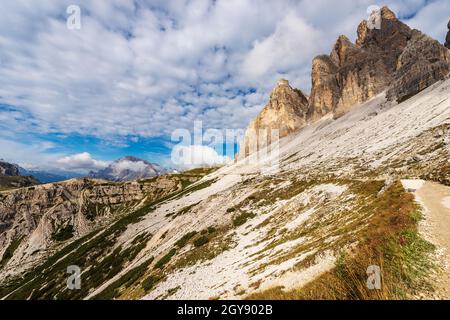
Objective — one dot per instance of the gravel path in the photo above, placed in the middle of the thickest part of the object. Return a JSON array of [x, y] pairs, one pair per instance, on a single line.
[[434, 198]]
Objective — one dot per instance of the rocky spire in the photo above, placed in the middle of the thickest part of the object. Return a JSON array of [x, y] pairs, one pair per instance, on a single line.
[[354, 73], [447, 40], [286, 112], [388, 57]]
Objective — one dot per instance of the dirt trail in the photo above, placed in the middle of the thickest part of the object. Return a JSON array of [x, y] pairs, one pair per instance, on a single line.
[[435, 199]]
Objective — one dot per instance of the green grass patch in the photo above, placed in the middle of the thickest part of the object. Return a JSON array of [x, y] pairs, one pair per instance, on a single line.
[[9, 252], [63, 233], [200, 241], [242, 218], [185, 239], [165, 259]]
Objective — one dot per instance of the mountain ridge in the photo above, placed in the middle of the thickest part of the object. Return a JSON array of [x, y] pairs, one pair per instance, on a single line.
[[392, 58], [129, 168]]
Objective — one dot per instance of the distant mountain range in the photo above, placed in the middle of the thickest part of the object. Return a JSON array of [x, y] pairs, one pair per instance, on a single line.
[[47, 176], [124, 169], [128, 169]]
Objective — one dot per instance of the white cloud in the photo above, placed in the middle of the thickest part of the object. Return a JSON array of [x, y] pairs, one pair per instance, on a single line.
[[82, 161], [135, 166], [197, 156]]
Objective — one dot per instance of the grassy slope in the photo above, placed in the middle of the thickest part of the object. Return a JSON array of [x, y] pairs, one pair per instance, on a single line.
[[391, 241]]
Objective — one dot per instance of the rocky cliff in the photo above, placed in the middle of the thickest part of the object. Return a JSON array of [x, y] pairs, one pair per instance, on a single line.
[[354, 73], [393, 58], [40, 217], [285, 112]]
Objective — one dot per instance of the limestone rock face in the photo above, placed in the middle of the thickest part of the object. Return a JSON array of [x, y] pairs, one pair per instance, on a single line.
[[388, 56], [285, 112], [325, 88], [447, 39], [423, 62]]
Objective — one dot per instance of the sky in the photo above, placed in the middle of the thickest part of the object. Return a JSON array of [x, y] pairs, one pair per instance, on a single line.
[[137, 71]]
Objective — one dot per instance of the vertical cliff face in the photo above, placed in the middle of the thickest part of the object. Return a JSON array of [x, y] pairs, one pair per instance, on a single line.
[[286, 112], [389, 57], [423, 62]]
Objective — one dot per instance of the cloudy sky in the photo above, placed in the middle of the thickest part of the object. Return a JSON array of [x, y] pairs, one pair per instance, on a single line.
[[138, 70]]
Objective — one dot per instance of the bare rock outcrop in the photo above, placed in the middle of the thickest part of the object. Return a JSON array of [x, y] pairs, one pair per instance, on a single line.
[[286, 112], [447, 39], [423, 62], [386, 57], [354, 73]]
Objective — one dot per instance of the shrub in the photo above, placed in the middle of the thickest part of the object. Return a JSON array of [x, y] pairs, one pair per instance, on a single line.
[[242, 218], [184, 239], [164, 260], [201, 241], [64, 233], [211, 229], [150, 282]]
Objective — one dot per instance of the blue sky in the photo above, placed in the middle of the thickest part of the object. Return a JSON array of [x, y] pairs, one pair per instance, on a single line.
[[138, 70]]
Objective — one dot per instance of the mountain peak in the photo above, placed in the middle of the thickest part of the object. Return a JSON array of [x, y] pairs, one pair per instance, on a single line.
[[286, 112], [131, 159], [8, 169], [283, 82], [388, 56], [129, 168], [340, 49]]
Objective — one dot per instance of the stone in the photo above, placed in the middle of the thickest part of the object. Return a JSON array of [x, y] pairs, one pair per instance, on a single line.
[[286, 112], [423, 62]]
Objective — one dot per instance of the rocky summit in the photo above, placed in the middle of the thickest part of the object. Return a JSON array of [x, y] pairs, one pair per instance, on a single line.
[[11, 178], [362, 181], [8, 169], [392, 58], [127, 169], [286, 112], [447, 39]]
